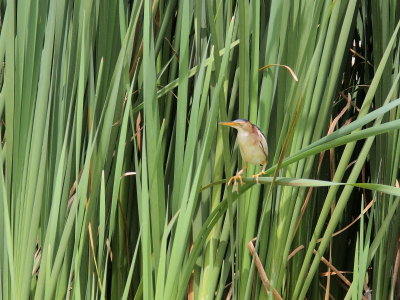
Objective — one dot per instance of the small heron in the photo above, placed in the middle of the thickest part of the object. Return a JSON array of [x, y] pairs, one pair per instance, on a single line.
[[253, 147]]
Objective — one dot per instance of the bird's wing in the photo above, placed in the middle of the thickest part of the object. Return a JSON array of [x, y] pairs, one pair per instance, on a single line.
[[263, 143]]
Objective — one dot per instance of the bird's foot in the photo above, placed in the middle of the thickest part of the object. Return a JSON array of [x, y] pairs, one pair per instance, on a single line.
[[258, 175], [235, 179]]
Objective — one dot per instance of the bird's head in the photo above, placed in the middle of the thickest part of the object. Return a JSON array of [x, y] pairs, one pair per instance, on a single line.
[[239, 124]]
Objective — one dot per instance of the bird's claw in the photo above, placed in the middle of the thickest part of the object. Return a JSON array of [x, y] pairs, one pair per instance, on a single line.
[[258, 175], [234, 179], [235, 184]]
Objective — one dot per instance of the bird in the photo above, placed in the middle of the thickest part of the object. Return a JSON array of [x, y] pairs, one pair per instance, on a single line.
[[253, 147]]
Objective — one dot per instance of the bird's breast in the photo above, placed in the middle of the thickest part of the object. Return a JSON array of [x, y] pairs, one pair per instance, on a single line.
[[250, 148]]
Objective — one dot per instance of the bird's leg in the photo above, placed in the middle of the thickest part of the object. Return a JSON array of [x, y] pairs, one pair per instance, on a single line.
[[261, 173], [238, 176]]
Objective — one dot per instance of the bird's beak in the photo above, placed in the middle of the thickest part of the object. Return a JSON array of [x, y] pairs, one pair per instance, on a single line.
[[232, 124]]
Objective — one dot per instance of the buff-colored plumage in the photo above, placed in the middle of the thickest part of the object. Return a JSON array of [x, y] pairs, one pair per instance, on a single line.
[[253, 146]]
